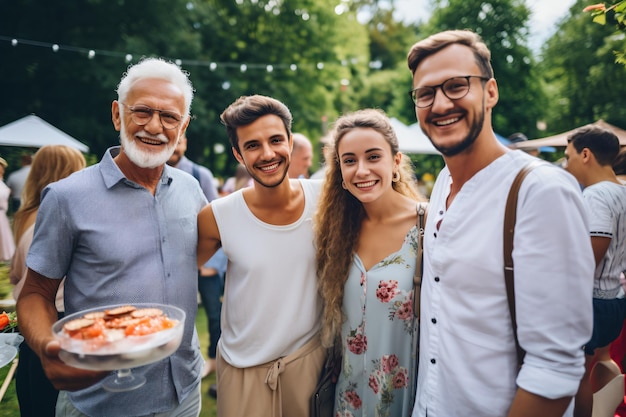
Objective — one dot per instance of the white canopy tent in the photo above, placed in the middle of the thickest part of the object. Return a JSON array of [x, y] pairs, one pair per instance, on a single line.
[[411, 139], [34, 132], [560, 140]]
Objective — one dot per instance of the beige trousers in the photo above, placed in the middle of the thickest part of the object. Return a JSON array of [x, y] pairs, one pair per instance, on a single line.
[[282, 388]]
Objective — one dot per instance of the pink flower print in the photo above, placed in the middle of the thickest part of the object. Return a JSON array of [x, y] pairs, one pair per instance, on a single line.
[[389, 363], [386, 290], [400, 379], [405, 311], [357, 344], [373, 383], [353, 399]]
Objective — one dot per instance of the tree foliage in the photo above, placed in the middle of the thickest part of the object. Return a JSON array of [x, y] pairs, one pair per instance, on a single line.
[[617, 14], [578, 67], [74, 92]]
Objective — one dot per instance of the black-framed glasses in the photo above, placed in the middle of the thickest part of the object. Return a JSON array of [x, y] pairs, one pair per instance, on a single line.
[[454, 88], [141, 115]]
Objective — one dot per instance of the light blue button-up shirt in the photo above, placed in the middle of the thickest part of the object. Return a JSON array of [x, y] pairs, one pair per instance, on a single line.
[[117, 243]]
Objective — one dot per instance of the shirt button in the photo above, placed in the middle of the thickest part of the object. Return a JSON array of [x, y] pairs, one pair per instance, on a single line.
[[433, 361], [440, 211], [435, 234], [433, 320], [436, 279]]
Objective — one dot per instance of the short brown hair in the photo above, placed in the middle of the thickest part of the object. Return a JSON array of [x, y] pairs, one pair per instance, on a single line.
[[247, 109], [434, 43]]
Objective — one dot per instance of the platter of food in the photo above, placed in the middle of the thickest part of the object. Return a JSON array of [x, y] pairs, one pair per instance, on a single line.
[[119, 336]]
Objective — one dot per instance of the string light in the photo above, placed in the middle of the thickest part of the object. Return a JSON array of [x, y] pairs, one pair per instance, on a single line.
[[212, 65]]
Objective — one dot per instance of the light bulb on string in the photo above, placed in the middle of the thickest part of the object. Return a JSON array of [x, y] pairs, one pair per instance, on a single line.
[[91, 53]]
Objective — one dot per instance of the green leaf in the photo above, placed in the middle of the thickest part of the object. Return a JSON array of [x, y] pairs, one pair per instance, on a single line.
[[600, 19], [620, 7]]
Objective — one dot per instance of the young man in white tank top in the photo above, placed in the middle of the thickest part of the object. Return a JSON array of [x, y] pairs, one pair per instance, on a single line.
[[269, 355]]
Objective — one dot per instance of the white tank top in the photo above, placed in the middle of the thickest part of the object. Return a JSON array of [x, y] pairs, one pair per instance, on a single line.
[[271, 305]]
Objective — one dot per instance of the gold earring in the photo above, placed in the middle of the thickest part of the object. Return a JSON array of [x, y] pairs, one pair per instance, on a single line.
[[396, 177]]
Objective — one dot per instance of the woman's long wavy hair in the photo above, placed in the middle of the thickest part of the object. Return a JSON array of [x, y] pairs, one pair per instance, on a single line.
[[339, 216], [50, 163]]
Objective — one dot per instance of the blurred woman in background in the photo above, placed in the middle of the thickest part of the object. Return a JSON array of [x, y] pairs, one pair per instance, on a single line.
[[36, 395]]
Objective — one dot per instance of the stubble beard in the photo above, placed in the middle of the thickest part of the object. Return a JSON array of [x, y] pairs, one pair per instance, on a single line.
[[266, 184], [467, 142]]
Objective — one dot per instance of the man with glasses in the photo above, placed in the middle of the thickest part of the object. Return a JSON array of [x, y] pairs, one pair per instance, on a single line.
[[468, 356], [123, 231]]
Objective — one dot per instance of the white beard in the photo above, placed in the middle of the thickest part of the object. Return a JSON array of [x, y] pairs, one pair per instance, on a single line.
[[142, 158]]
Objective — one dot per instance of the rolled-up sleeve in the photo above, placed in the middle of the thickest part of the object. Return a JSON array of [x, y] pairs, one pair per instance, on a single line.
[[554, 269]]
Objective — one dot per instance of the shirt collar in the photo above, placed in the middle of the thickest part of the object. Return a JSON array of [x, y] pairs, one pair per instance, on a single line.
[[112, 174]]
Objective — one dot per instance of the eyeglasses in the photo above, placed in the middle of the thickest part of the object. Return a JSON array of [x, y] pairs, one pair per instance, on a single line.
[[454, 88], [141, 115]]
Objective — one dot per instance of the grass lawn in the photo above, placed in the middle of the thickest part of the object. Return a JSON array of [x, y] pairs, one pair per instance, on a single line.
[[9, 405]]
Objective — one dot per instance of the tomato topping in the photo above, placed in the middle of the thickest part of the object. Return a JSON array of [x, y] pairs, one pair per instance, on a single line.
[[149, 325]]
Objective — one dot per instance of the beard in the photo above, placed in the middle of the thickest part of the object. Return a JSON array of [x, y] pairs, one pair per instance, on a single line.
[[272, 184], [475, 129], [142, 158]]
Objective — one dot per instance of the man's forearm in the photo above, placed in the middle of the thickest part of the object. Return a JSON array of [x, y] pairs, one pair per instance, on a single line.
[[526, 404]]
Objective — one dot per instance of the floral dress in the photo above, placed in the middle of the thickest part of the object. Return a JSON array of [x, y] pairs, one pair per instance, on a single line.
[[379, 334]]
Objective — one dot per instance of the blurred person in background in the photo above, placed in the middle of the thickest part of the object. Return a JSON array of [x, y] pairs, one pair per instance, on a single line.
[[35, 394], [202, 174], [590, 153], [240, 180], [7, 244], [16, 181], [619, 165], [301, 157], [211, 275]]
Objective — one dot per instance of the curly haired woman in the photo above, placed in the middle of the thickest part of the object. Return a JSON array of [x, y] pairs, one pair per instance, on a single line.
[[367, 239]]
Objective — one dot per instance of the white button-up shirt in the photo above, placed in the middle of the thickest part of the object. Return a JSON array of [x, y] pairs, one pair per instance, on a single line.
[[468, 362]]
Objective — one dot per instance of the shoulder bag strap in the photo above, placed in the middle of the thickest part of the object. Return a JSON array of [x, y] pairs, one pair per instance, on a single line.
[[510, 215], [419, 268]]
